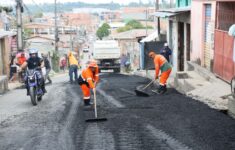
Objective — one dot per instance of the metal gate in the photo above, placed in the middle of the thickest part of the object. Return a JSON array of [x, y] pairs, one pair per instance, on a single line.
[[223, 56]]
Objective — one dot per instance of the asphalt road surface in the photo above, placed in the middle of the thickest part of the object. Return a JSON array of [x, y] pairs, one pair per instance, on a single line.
[[160, 122]]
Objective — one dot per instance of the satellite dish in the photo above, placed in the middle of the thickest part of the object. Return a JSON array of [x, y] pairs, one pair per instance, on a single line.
[[231, 30]]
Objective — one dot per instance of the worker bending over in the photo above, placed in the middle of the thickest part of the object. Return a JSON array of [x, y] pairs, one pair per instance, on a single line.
[[88, 80], [162, 64]]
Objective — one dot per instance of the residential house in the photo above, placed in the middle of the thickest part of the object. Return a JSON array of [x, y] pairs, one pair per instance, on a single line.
[[5, 51], [45, 44], [110, 16], [114, 26], [178, 33], [129, 44], [141, 14], [5, 21], [212, 47], [86, 21]]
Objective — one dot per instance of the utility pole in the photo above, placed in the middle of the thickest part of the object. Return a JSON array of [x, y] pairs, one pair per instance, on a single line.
[[158, 19], [56, 29], [146, 18], [19, 10]]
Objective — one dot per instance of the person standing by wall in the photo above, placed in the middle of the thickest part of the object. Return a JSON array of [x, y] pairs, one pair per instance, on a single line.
[[47, 66], [13, 68], [166, 52], [73, 67]]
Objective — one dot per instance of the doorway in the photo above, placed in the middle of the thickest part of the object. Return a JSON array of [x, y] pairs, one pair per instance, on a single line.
[[180, 46], [188, 39]]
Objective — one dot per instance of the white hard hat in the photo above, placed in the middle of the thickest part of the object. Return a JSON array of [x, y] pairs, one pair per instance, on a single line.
[[33, 51], [165, 44]]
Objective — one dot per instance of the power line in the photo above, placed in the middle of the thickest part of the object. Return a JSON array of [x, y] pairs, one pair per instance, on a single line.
[[38, 6], [28, 12]]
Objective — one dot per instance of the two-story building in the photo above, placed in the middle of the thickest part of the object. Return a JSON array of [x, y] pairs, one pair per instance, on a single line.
[[212, 47], [178, 32]]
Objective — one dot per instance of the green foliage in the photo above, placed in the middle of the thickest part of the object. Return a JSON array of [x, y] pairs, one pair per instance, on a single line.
[[123, 29], [6, 9], [132, 24], [27, 33], [55, 61], [149, 27], [38, 15], [103, 31]]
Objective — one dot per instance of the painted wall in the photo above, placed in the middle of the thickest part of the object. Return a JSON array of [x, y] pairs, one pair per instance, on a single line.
[[173, 37], [4, 55], [183, 3], [131, 48], [197, 29]]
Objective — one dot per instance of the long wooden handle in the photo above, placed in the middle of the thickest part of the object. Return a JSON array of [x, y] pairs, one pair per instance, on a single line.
[[95, 103], [148, 84]]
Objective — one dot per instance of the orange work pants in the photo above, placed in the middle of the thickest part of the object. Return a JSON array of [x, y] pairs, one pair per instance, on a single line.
[[86, 92], [164, 76]]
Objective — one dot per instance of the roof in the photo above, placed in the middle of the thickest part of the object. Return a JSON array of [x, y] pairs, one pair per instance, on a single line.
[[132, 34], [117, 24], [171, 12], [136, 16], [7, 33], [150, 38], [50, 38], [38, 25]]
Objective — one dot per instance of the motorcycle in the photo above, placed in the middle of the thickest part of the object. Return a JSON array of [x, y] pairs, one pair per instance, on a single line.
[[35, 89]]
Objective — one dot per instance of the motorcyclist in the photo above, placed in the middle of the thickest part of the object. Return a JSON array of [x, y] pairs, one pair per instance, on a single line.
[[35, 62]]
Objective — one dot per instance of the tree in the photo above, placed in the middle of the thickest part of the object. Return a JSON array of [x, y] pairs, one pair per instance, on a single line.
[[135, 24], [38, 15], [103, 31], [132, 24], [6, 9]]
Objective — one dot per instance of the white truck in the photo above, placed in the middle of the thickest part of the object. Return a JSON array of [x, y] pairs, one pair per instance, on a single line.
[[107, 55]]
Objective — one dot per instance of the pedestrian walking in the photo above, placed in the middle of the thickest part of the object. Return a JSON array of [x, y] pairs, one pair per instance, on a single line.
[[161, 64], [13, 68], [88, 80], [48, 67], [73, 67], [166, 52]]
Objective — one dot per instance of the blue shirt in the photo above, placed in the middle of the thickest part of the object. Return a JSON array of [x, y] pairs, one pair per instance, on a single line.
[[166, 52]]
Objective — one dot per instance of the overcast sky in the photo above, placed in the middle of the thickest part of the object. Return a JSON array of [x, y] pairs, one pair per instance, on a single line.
[[10, 2]]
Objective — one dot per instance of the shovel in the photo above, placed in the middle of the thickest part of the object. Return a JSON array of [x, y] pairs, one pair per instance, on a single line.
[[96, 119], [140, 92]]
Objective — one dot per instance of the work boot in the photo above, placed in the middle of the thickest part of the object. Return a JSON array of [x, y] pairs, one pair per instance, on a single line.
[[162, 89], [27, 92], [87, 102], [44, 90]]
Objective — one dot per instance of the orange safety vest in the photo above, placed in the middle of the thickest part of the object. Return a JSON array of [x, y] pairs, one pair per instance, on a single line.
[[21, 60], [90, 77], [159, 61]]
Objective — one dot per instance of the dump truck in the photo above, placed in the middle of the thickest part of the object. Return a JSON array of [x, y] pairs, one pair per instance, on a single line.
[[107, 55]]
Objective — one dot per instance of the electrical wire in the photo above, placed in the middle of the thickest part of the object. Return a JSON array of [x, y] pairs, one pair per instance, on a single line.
[[38, 6]]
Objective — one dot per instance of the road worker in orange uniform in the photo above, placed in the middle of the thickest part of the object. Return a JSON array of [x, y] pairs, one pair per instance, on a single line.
[[88, 80], [162, 64]]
